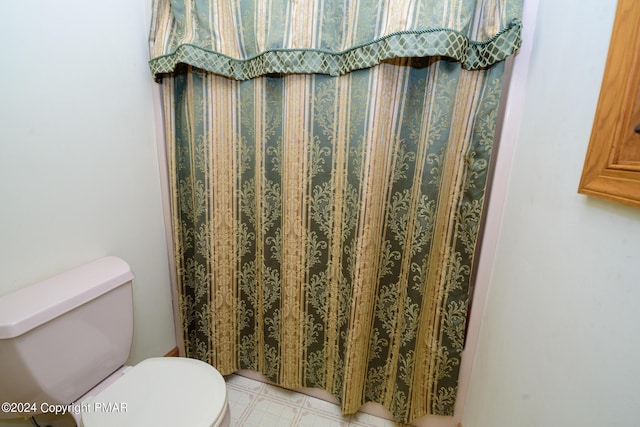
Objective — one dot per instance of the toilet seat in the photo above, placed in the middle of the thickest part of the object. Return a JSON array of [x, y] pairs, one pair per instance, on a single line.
[[162, 391]]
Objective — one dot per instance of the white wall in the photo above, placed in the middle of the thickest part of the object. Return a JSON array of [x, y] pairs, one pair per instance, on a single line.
[[78, 163], [559, 343]]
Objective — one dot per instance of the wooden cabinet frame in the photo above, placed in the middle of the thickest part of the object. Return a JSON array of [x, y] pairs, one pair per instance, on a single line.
[[612, 165]]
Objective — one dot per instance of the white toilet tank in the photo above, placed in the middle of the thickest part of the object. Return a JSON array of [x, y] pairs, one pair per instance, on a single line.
[[62, 336]]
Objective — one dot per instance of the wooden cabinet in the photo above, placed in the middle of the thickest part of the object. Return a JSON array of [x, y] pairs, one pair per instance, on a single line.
[[612, 166]]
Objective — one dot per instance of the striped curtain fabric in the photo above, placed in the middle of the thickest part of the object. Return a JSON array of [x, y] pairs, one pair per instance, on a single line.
[[328, 162]]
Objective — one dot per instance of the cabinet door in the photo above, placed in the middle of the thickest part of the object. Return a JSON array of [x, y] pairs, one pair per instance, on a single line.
[[612, 166]]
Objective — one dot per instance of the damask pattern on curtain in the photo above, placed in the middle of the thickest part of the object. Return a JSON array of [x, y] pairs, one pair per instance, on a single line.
[[328, 162]]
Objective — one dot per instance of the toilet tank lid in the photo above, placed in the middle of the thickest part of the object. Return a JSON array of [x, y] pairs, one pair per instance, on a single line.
[[30, 307]]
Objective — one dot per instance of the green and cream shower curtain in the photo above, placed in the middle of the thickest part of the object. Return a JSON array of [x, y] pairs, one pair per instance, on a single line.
[[328, 162]]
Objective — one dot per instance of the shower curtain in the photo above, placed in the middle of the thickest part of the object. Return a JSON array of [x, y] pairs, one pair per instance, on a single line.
[[328, 162]]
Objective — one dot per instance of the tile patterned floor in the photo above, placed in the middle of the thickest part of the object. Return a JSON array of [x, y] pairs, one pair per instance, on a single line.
[[256, 404]]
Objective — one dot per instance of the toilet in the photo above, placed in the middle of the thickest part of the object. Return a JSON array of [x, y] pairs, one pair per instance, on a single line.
[[63, 345]]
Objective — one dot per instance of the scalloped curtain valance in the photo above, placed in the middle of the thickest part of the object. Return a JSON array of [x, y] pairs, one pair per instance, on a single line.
[[244, 39]]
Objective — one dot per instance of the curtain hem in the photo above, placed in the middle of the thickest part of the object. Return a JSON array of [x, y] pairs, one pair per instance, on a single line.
[[431, 42]]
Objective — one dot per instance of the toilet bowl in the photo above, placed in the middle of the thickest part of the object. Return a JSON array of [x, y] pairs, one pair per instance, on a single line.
[[64, 343], [160, 392]]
